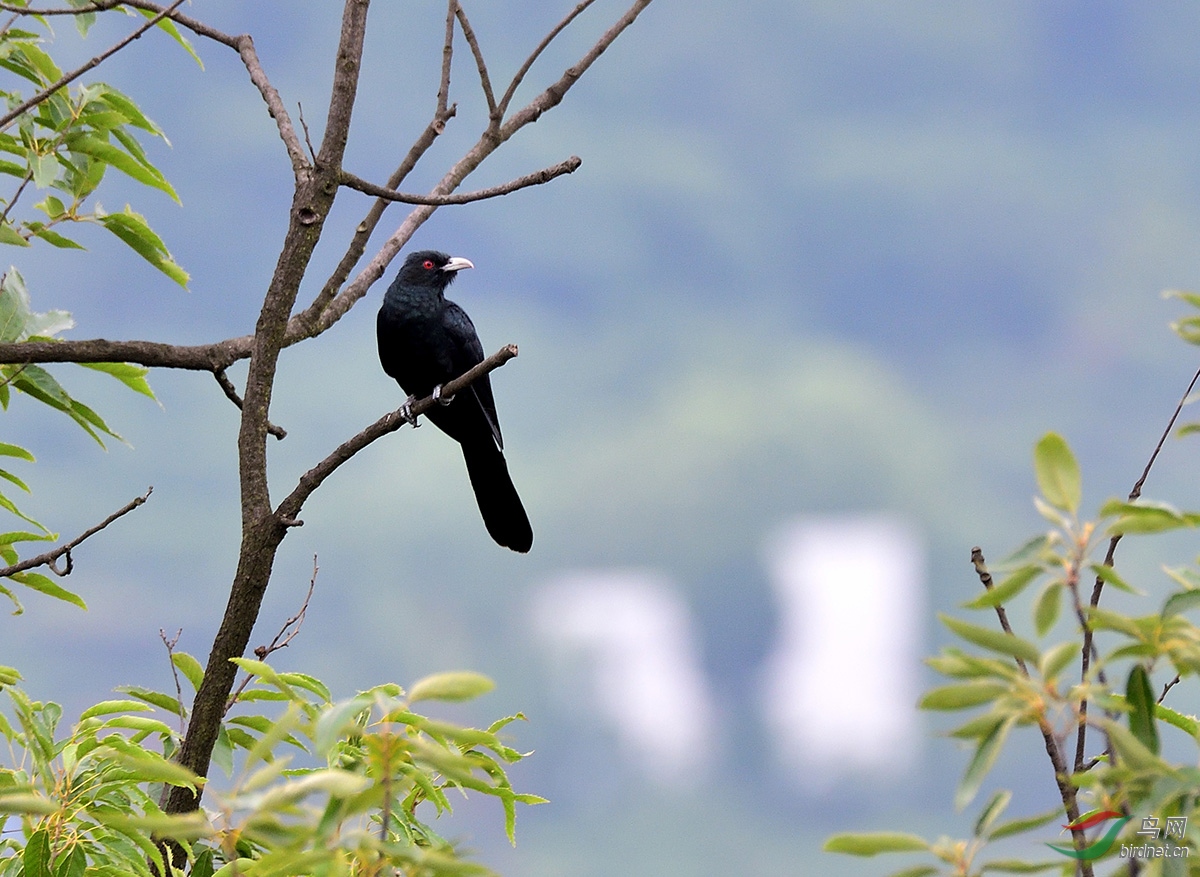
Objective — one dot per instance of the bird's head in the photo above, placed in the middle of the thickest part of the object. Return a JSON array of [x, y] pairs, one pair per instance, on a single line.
[[431, 268]]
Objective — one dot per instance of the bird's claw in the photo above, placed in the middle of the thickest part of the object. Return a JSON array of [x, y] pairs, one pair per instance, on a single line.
[[437, 396], [406, 412]]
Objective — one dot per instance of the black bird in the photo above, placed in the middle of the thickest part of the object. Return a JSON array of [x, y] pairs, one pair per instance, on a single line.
[[426, 341]]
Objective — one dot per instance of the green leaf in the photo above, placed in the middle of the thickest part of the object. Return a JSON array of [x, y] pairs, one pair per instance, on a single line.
[[963, 696], [132, 376], [1055, 660], [1130, 749], [45, 169], [56, 240], [1057, 472], [916, 871], [1110, 576], [42, 62], [9, 235], [1140, 698], [1046, 609], [189, 667], [1146, 517], [133, 230], [127, 108], [203, 866], [9, 450], [994, 640], [97, 147], [1013, 585], [456, 686], [38, 582], [168, 25], [1178, 604], [149, 767], [1190, 725], [1026, 823], [37, 855], [874, 843], [108, 707], [985, 756], [27, 803], [991, 812], [73, 864], [1017, 866], [155, 698]]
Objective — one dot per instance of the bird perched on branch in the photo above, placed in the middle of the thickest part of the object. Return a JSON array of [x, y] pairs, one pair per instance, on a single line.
[[426, 341]]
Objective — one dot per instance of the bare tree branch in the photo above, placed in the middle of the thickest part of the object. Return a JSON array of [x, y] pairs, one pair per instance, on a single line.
[[199, 28], [533, 56], [534, 179], [480, 64], [443, 95], [341, 303], [553, 95], [305, 324], [231, 392], [50, 557], [155, 354], [68, 78], [244, 46], [331, 304], [289, 509], [345, 83], [262, 530], [99, 6]]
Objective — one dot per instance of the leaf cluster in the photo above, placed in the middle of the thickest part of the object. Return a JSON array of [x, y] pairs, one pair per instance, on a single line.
[[343, 799], [65, 144], [1068, 688]]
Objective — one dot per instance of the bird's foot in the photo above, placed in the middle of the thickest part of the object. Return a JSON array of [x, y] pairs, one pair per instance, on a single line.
[[406, 411], [439, 398]]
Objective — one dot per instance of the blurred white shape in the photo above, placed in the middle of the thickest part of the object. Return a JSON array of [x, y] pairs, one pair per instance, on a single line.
[[634, 631], [841, 686]]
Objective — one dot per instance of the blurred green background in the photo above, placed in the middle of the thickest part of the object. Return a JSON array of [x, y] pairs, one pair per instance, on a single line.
[[827, 272]]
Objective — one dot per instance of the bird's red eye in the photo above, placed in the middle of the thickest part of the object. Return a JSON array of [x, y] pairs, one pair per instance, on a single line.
[[427, 264]]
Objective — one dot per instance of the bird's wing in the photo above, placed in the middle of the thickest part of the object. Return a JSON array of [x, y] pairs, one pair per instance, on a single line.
[[469, 353]]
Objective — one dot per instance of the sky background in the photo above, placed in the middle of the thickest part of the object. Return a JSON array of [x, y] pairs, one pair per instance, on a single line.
[[827, 273]]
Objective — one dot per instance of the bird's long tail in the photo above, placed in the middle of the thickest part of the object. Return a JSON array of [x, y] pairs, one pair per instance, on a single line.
[[503, 514]]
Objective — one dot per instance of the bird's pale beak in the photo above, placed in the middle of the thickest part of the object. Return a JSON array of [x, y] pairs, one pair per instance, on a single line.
[[457, 263]]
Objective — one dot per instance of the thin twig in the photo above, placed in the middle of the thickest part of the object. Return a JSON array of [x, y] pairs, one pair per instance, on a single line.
[[484, 80], [99, 6], [307, 139], [536, 178], [363, 231], [17, 194], [1167, 688], [170, 644], [231, 392], [443, 95], [1061, 772], [67, 78], [49, 557], [1098, 587], [511, 91], [244, 46], [286, 634]]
